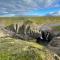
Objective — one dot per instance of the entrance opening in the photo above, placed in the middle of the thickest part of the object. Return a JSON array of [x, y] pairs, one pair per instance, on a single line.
[[45, 37]]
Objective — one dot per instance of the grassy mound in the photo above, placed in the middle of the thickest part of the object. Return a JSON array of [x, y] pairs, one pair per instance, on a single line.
[[14, 49]]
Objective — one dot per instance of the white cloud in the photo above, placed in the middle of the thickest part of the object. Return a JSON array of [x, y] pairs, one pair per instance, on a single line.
[[34, 4], [28, 4], [24, 6], [5, 12], [57, 13], [9, 15]]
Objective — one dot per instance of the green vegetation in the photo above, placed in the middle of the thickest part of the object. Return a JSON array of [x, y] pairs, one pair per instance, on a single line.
[[12, 49], [17, 49], [56, 28], [38, 20]]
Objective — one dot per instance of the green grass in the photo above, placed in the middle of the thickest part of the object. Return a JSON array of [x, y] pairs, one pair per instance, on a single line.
[[15, 49], [38, 20], [12, 49], [56, 28]]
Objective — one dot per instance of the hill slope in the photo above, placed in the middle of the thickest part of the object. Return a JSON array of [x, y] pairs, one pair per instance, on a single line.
[[12, 49]]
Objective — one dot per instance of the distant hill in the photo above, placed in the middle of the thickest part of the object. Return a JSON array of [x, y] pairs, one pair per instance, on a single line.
[[38, 20]]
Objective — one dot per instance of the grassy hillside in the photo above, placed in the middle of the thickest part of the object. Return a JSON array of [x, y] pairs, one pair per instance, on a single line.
[[17, 49], [38, 20], [12, 49]]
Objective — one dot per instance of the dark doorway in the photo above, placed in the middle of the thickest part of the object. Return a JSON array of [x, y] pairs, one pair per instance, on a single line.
[[45, 37]]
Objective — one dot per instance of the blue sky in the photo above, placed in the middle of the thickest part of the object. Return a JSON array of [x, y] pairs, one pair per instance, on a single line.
[[29, 7], [45, 12]]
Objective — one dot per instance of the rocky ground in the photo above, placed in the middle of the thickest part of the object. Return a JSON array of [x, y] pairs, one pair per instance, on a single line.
[[54, 45]]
